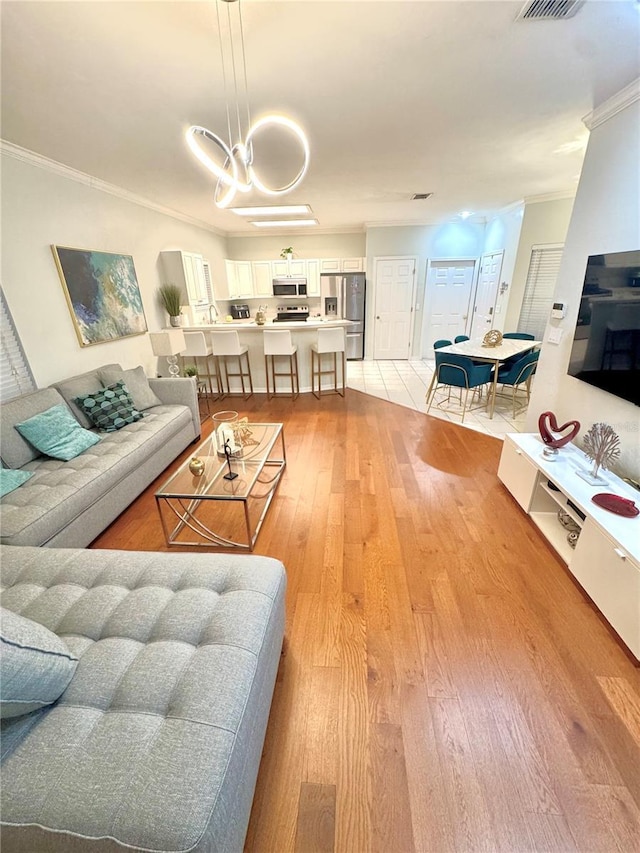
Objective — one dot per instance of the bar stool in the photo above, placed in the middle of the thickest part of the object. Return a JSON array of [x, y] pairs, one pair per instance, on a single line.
[[277, 342], [225, 345], [198, 350], [330, 342]]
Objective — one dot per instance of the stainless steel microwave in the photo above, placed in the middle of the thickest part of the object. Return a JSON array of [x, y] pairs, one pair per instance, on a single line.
[[290, 286]]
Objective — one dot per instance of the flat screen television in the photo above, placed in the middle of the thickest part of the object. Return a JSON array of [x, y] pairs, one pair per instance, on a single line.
[[606, 343]]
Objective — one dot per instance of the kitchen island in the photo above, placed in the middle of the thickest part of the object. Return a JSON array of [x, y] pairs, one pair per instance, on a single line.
[[303, 334]]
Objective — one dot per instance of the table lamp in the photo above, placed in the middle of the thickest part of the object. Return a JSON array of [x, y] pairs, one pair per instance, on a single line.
[[169, 343]]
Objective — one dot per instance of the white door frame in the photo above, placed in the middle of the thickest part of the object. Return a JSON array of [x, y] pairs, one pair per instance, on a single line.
[[377, 258], [426, 350]]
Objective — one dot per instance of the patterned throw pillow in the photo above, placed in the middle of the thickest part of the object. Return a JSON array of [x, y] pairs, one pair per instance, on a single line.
[[110, 409]]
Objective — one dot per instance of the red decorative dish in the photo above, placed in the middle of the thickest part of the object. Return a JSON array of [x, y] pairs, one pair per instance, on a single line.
[[614, 503]]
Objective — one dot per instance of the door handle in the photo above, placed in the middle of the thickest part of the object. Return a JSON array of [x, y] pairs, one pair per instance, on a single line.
[[378, 317]]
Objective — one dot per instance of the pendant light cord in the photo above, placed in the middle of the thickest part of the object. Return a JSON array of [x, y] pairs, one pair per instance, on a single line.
[[224, 75]]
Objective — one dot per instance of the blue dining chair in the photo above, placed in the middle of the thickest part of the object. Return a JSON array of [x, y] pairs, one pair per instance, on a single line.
[[519, 374], [443, 342], [460, 338], [457, 371], [517, 336]]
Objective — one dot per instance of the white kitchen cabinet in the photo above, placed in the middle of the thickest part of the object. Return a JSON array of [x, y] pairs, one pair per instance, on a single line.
[[352, 265], [313, 277], [297, 267], [330, 265], [186, 269], [239, 279], [262, 278], [606, 559]]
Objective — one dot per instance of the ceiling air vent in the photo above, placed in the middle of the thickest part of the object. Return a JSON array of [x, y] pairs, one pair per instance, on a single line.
[[547, 10], [420, 196]]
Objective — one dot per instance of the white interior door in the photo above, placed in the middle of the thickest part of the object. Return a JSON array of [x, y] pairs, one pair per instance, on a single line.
[[447, 299], [394, 283], [486, 295]]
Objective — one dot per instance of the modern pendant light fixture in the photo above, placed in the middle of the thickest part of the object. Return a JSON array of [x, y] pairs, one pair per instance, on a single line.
[[236, 173]]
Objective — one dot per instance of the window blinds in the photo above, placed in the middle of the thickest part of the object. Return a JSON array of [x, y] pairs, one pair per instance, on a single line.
[[539, 289], [15, 375]]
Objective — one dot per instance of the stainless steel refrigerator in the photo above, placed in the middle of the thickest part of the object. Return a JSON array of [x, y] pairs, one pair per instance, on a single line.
[[343, 297]]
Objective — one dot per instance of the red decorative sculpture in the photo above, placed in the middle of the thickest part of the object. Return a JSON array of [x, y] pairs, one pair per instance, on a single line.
[[549, 430]]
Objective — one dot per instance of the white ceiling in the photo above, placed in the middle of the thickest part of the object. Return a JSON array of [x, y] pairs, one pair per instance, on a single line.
[[453, 97]]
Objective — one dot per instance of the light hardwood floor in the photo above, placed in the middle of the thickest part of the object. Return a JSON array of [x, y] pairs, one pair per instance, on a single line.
[[444, 685]]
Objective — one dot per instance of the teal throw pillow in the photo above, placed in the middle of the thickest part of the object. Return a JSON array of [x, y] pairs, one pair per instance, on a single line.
[[11, 478], [56, 433], [111, 408], [36, 666]]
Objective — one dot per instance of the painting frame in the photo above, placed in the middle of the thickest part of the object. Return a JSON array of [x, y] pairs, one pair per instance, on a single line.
[[102, 293]]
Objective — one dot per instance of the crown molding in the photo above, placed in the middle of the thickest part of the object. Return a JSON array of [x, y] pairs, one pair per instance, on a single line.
[[9, 149], [614, 105], [561, 195]]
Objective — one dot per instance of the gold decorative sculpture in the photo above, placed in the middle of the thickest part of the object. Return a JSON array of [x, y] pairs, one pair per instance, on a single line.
[[601, 446], [493, 338]]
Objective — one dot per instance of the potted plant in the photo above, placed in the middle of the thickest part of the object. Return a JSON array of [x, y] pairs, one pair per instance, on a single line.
[[170, 297], [191, 370], [287, 253]]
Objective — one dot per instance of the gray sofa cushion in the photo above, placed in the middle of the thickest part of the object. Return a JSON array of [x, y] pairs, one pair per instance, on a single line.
[[16, 451], [156, 742], [35, 665], [136, 383], [78, 386], [60, 491]]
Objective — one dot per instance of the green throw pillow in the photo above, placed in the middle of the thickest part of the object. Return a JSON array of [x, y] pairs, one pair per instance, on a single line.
[[35, 665], [11, 478], [110, 409], [56, 433]]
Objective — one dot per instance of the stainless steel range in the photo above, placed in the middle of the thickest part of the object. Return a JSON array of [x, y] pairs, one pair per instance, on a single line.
[[287, 313]]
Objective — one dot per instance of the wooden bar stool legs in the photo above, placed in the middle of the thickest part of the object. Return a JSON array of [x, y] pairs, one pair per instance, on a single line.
[[278, 344], [330, 343], [226, 345]]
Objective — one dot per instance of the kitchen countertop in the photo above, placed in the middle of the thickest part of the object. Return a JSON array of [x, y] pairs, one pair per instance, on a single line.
[[250, 325]]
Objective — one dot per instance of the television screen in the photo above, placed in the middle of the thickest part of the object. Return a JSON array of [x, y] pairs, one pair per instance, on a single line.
[[606, 343]]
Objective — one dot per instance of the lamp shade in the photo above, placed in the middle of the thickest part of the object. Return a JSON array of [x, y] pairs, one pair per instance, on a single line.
[[169, 342]]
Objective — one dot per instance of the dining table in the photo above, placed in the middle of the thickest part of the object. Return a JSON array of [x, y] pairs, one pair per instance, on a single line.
[[496, 355]]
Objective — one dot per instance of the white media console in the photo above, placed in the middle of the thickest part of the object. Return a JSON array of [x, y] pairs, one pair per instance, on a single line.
[[606, 559]]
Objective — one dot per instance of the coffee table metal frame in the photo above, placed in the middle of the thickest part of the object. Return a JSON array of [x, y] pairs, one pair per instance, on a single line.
[[182, 495]]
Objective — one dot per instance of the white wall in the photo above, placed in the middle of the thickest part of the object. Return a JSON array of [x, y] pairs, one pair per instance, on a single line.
[[606, 218], [40, 208], [542, 222], [503, 235], [268, 247]]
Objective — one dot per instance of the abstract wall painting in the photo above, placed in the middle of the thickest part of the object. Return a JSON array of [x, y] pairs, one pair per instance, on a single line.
[[102, 293]]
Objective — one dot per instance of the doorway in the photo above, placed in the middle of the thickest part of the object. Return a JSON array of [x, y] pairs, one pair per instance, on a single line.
[[447, 301], [486, 295], [394, 286]]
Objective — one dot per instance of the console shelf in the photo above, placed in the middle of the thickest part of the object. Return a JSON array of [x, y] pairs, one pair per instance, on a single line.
[[606, 559]]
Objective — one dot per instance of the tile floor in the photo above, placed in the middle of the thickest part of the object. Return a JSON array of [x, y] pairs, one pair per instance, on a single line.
[[406, 383]]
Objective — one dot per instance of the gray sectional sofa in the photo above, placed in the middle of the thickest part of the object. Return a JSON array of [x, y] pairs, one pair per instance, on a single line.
[[67, 504], [155, 743]]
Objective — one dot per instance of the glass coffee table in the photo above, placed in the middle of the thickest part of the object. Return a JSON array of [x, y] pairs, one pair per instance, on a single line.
[[211, 511]]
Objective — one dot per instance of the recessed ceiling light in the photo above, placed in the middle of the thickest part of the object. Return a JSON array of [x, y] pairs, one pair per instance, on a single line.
[[465, 214], [272, 210], [283, 223]]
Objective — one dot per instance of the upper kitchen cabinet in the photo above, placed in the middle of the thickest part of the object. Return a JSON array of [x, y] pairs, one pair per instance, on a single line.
[[329, 265], [313, 278], [352, 265], [284, 268], [186, 269], [239, 279], [262, 278]]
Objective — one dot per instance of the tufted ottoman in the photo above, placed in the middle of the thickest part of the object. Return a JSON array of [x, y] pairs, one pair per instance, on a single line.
[[156, 742]]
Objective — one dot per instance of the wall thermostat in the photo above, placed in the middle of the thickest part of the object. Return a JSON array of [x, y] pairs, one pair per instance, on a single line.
[[558, 310]]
